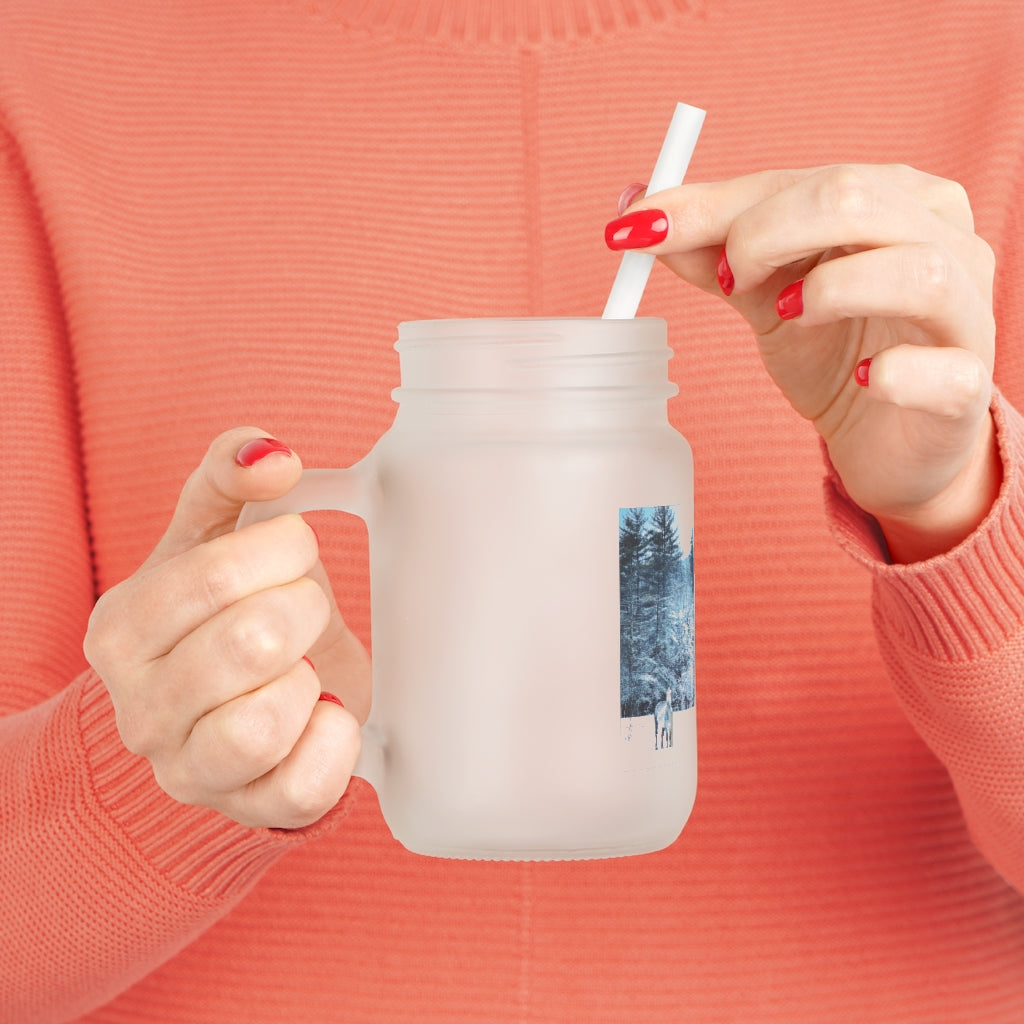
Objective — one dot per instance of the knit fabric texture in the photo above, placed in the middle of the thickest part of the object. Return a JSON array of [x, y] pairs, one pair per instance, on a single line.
[[215, 214]]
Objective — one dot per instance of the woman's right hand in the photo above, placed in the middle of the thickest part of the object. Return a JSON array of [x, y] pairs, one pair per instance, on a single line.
[[203, 650], [871, 299]]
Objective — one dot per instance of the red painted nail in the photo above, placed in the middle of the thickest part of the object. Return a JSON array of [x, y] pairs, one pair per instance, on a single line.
[[309, 663], [331, 698], [790, 303], [252, 451], [629, 195], [724, 274], [637, 230], [861, 373]]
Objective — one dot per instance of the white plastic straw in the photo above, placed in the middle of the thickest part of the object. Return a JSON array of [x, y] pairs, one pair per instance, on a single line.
[[674, 158]]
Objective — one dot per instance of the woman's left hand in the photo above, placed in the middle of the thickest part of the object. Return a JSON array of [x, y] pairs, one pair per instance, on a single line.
[[870, 297]]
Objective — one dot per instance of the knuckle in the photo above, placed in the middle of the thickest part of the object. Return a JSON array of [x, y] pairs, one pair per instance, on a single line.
[[985, 257], [96, 643], [221, 581], [952, 408], [178, 783], [971, 382], [931, 271], [316, 606], [292, 534], [953, 196], [779, 179], [254, 641], [262, 635], [958, 385], [753, 246], [104, 642], [142, 729], [326, 769], [700, 216], [136, 734], [848, 194], [254, 733], [309, 795], [830, 296], [901, 172], [950, 201]]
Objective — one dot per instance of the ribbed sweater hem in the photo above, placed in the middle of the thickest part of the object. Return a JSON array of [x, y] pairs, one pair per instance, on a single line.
[[960, 605], [194, 848]]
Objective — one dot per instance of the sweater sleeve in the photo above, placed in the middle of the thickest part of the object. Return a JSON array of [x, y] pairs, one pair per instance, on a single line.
[[951, 631], [102, 876]]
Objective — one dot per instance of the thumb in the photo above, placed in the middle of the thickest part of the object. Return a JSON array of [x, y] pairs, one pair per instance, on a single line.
[[241, 465]]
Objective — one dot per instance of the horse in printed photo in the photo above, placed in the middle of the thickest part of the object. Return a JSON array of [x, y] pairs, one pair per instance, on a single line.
[[663, 721]]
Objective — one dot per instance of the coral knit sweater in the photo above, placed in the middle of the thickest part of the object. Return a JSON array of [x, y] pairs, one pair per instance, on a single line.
[[215, 213]]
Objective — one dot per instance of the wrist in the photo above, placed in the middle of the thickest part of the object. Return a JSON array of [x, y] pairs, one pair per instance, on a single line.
[[949, 518]]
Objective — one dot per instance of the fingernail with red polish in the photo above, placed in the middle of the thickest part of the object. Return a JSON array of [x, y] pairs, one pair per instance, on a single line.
[[330, 698], [637, 230], [790, 303], [724, 274], [252, 451], [861, 373], [629, 195], [309, 663]]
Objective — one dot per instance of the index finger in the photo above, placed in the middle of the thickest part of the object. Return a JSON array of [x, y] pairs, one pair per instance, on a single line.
[[171, 599], [700, 214]]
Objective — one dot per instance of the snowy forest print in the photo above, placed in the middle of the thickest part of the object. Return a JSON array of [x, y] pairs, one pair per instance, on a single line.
[[656, 618]]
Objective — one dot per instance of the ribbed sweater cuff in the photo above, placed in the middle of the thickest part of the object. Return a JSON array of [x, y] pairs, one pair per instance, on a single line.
[[963, 604], [194, 848]]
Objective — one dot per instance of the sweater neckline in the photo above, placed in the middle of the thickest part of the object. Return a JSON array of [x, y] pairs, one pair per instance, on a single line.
[[522, 22]]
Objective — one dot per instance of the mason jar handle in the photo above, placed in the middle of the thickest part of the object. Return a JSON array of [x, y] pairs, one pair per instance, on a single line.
[[331, 490], [339, 490]]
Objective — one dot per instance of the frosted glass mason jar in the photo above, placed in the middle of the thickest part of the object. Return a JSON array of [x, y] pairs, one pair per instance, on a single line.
[[530, 519]]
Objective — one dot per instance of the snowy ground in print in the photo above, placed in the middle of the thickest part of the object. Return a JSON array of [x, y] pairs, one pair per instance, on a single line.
[[638, 735]]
